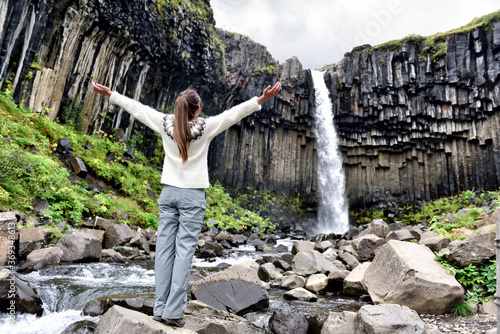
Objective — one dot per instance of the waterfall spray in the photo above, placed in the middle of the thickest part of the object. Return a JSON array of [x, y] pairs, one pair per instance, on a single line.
[[333, 213]]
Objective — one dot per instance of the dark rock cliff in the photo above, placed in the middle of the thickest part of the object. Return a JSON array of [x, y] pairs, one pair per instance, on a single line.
[[412, 125], [416, 126]]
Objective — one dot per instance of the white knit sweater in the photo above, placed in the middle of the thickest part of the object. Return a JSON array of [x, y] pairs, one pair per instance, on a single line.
[[194, 173]]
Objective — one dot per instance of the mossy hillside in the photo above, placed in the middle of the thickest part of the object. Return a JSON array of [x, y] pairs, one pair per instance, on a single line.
[[29, 169]]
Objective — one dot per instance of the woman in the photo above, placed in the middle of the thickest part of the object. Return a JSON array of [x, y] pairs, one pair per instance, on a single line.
[[186, 138]]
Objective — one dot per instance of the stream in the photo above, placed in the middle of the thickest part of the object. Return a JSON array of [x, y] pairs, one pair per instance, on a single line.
[[66, 288]]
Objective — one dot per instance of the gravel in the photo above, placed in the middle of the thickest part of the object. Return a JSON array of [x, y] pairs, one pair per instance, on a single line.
[[474, 324]]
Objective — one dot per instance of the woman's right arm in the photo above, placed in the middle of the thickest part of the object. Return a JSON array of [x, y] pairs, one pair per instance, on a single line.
[[148, 116]]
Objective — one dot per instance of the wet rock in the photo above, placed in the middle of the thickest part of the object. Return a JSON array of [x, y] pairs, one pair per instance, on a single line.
[[389, 319], [102, 305], [300, 294], [209, 249], [203, 318], [110, 255], [286, 319], [119, 320], [129, 252], [236, 290], [42, 258], [406, 273], [292, 282], [30, 238], [80, 327], [15, 290], [117, 235], [79, 247]]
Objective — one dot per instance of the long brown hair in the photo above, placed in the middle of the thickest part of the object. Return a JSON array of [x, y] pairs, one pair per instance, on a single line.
[[186, 105]]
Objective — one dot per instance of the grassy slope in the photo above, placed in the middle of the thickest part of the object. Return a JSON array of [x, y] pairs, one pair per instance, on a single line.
[[29, 169]]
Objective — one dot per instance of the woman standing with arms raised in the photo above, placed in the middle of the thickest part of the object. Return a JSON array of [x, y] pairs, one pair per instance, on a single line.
[[186, 138]]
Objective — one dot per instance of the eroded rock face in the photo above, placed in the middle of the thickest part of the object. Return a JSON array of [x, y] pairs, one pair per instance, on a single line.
[[236, 290], [403, 270]]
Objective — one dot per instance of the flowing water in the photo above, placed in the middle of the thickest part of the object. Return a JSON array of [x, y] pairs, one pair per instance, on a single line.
[[333, 214], [66, 288]]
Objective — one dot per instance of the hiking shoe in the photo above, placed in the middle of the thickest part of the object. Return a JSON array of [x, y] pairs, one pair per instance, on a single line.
[[170, 322], [175, 322]]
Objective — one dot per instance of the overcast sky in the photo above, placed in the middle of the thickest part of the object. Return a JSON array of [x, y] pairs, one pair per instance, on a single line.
[[319, 32]]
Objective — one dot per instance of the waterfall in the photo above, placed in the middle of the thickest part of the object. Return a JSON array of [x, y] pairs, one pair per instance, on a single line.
[[333, 213]]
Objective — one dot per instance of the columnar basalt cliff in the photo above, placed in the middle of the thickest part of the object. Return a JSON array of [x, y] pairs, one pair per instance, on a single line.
[[418, 126], [413, 123], [273, 148]]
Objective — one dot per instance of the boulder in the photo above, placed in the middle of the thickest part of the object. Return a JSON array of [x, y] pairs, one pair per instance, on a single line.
[[317, 283], [377, 227], [300, 294], [365, 246], [389, 319], [436, 243], [470, 251], [80, 327], [286, 319], [350, 260], [8, 221], [336, 280], [237, 290], [102, 305], [402, 235], [26, 298], [323, 246], [110, 255], [268, 272], [117, 235], [340, 323], [354, 282], [103, 224], [293, 281], [42, 258], [202, 318], [119, 320], [209, 249], [406, 273], [237, 239], [311, 262], [99, 234], [330, 254], [30, 238], [79, 247], [281, 264], [301, 246]]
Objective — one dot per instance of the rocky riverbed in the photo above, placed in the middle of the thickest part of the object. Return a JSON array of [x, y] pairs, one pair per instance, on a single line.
[[324, 284]]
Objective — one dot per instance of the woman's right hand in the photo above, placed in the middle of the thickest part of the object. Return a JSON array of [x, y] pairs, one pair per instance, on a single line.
[[269, 93], [100, 89]]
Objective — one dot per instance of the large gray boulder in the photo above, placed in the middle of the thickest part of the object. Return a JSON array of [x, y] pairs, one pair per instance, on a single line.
[[42, 258], [30, 238], [377, 227], [406, 273], [365, 246], [340, 323], [477, 249], [119, 320], [79, 247], [301, 246], [311, 262], [237, 290], [26, 297], [286, 319], [389, 319], [117, 235], [202, 318]]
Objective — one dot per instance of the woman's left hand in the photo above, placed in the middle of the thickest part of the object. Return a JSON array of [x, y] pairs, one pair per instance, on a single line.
[[100, 89], [269, 93]]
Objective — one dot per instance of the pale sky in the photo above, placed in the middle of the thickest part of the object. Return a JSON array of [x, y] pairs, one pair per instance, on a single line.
[[319, 32]]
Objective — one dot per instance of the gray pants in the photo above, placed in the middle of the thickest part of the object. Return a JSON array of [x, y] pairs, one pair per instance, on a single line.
[[181, 216]]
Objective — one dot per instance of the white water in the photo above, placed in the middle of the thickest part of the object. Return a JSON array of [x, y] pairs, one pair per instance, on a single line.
[[333, 215]]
